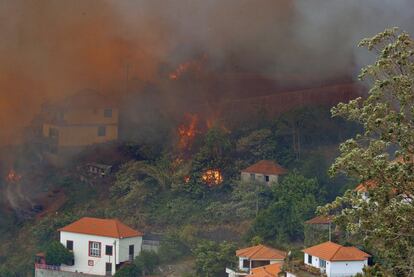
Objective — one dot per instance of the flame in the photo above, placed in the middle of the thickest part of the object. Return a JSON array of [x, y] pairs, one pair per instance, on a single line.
[[194, 65], [186, 179], [187, 132], [13, 177], [212, 177]]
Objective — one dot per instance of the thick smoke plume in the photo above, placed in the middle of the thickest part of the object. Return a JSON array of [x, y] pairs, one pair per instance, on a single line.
[[51, 49]]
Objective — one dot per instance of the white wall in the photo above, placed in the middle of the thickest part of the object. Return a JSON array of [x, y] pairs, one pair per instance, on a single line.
[[347, 268], [259, 178], [81, 252]]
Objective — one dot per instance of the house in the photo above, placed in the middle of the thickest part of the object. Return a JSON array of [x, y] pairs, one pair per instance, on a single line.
[[264, 171], [80, 120], [271, 270], [335, 260], [255, 257], [100, 246]]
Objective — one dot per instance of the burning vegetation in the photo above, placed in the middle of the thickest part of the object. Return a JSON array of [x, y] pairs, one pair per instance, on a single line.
[[13, 176], [187, 132], [212, 177], [193, 66]]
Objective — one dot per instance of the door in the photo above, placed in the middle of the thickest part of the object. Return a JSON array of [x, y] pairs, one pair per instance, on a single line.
[[108, 269], [131, 252]]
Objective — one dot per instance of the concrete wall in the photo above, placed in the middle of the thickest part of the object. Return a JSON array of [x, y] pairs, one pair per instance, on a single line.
[[53, 273], [81, 135], [246, 177]]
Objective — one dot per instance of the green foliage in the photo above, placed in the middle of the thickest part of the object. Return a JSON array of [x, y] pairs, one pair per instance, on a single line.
[[258, 145], [294, 200], [46, 229], [147, 261], [212, 258], [129, 270], [57, 254], [172, 248], [382, 153]]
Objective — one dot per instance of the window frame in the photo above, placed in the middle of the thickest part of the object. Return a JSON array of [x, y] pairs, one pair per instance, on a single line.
[[90, 248], [108, 112], [101, 131], [310, 259], [322, 263], [67, 245], [106, 250]]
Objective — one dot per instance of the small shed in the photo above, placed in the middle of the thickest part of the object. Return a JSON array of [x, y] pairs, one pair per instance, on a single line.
[[101, 170]]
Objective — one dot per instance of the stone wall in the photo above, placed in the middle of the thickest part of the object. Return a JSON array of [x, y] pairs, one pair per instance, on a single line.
[[56, 273]]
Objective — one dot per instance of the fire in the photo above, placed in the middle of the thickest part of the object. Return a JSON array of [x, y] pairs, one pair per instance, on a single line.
[[186, 179], [193, 65], [187, 132], [212, 177], [13, 177]]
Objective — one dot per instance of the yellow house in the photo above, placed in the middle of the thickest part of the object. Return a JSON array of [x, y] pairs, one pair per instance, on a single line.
[[81, 120]]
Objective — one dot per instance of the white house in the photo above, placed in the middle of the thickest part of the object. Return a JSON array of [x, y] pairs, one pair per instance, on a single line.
[[264, 171], [254, 257], [100, 246], [336, 260]]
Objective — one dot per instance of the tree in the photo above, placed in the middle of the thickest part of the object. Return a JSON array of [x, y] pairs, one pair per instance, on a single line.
[[57, 254], [212, 258], [382, 153], [147, 261], [294, 200], [258, 145]]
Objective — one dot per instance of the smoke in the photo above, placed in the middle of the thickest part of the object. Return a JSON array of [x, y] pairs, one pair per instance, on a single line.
[[51, 49]]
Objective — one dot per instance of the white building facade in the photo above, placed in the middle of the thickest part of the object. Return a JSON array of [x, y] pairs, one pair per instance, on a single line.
[[99, 245]]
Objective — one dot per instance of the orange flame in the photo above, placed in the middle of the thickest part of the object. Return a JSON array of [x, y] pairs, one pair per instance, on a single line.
[[13, 177], [212, 177], [187, 132]]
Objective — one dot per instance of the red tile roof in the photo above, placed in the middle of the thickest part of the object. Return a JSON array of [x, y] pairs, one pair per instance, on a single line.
[[261, 252], [101, 227], [320, 220], [266, 167], [271, 270], [330, 251], [365, 186]]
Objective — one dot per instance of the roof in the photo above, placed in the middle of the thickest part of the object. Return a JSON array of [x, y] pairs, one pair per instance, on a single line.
[[365, 186], [266, 167], [101, 227], [261, 252], [271, 270], [331, 251], [321, 219]]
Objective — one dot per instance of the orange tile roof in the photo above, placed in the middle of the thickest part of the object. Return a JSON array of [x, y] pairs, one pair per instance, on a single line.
[[330, 251], [271, 270], [101, 227], [266, 167], [320, 220], [363, 187], [261, 252]]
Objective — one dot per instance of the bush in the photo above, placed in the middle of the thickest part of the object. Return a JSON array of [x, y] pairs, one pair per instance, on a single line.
[[147, 261], [172, 249], [57, 254], [130, 270]]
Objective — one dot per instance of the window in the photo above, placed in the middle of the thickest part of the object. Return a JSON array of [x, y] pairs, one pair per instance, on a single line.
[[108, 113], [309, 259], [131, 252], [101, 131], [53, 133], [69, 244], [267, 178], [322, 263], [94, 249], [252, 177], [108, 250], [246, 263]]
